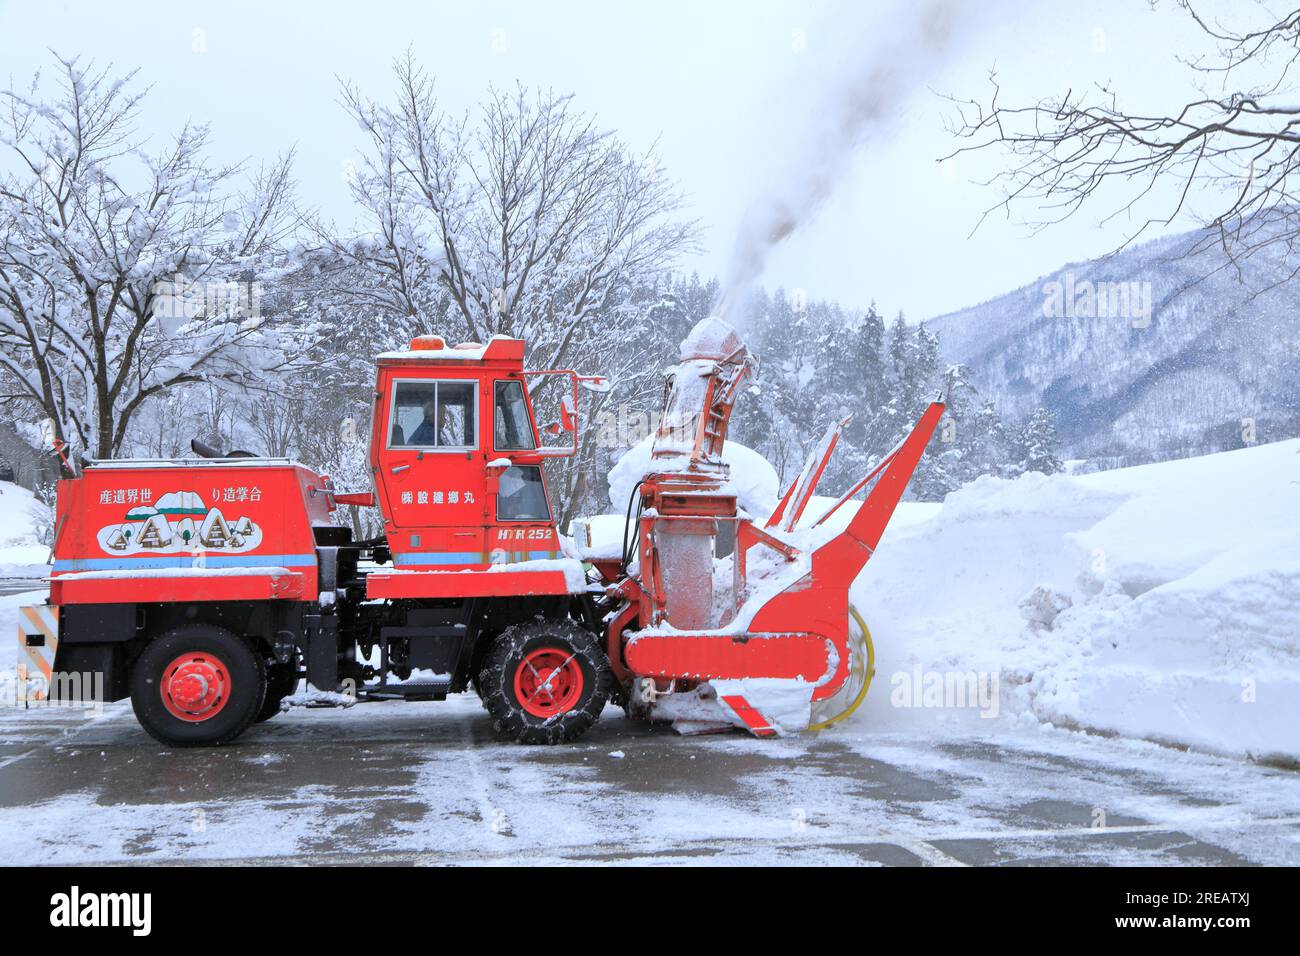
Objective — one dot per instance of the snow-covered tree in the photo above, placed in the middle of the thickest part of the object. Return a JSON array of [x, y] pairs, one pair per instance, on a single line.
[[1036, 445], [125, 270], [523, 219], [990, 446]]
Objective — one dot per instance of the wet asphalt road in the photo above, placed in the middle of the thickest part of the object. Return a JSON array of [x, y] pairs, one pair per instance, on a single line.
[[425, 784]]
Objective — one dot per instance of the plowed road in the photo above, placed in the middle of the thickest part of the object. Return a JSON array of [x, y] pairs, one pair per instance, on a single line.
[[425, 784]]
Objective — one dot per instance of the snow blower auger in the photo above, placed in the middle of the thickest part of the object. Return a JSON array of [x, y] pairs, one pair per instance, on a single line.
[[721, 622], [208, 589]]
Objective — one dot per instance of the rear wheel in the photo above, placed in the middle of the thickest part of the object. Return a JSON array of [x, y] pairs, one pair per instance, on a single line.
[[197, 685], [544, 682]]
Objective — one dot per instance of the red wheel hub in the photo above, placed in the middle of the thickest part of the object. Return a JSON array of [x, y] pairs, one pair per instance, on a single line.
[[195, 686], [548, 682]]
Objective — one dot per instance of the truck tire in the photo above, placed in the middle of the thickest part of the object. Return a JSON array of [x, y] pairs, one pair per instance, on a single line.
[[544, 682], [197, 685], [281, 681]]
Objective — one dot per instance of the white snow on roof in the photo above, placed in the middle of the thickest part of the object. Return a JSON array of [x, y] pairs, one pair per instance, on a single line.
[[104, 464], [463, 352]]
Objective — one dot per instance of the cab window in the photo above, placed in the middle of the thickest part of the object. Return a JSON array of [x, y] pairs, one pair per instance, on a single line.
[[433, 415], [521, 495], [513, 430]]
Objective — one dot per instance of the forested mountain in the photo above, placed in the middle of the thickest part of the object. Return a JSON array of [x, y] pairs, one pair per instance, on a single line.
[[1213, 364]]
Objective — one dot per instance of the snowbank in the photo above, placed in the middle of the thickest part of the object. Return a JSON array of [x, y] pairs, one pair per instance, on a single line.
[[1157, 602], [753, 480], [21, 552]]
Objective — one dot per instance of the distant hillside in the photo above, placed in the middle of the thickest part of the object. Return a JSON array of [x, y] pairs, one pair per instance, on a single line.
[[1143, 385]]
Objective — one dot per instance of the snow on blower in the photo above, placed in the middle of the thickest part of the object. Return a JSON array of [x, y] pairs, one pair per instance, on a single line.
[[207, 589]]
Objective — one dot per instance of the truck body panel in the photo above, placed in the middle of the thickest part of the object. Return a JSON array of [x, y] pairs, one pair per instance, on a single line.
[[163, 530]]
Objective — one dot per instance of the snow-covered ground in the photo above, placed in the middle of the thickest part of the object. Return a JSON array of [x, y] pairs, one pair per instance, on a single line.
[[424, 783], [21, 552], [1159, 602]]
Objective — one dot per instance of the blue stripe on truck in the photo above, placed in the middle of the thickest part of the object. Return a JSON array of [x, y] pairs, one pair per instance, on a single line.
[[186, 560]]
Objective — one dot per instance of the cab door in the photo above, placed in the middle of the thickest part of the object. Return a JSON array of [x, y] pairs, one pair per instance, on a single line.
[[431, 470]]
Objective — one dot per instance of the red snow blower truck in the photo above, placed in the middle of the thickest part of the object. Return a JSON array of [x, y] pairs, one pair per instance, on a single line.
[[207, 589]]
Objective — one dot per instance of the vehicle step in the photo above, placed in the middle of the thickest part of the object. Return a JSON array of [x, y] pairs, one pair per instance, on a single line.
[[431, 690]]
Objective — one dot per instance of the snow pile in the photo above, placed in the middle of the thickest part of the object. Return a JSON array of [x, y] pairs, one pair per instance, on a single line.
[[602, 537], [710, 338], [753, 480], [1156, 602], [21, 552]]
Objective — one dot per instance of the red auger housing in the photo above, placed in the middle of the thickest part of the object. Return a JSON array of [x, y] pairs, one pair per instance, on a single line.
[[207, 589]]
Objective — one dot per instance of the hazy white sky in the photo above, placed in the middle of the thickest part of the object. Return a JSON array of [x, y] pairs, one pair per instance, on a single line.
[[731, 90]]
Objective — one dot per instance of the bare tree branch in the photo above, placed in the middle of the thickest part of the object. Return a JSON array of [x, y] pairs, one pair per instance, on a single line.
[[1085, 148]]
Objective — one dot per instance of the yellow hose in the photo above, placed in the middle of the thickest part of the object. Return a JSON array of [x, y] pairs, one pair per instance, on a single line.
[[866, 684]]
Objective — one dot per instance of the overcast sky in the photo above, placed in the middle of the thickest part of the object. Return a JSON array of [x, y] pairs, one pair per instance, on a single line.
[[733, 93]]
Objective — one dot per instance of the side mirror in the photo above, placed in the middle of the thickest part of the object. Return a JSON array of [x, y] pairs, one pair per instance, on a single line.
[[568, 418]]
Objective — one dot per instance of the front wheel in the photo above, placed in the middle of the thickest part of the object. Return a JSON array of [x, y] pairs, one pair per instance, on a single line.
[[544, 682], [196, 686]]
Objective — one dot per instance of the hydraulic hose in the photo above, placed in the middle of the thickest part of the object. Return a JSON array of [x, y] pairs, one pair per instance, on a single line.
[[627, 521]]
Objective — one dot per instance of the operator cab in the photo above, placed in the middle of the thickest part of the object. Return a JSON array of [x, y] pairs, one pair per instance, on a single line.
[[459, 468]]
